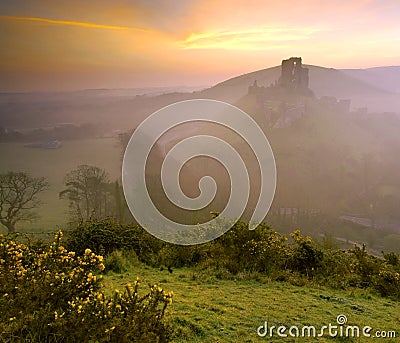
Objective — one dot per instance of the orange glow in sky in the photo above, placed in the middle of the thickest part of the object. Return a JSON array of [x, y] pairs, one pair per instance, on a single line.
[[66, 45]]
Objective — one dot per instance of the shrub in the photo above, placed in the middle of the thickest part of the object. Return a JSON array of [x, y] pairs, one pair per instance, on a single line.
[[120, 261], [268, 253], [105, 236], [306, 256], [54, 295], [387, 281], [179, 256], [241, 249], [393, 259], [335, 270], [100, 236], [364, 266]]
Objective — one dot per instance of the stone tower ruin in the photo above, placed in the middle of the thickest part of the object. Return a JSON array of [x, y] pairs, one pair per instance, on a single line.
[[294, 75]]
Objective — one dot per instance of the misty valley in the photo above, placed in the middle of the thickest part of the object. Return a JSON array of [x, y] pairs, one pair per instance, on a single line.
[[77, 261], [335, 150]]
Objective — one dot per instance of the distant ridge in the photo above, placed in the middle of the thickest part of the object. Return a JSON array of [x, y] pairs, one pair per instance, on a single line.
[[387, 78]]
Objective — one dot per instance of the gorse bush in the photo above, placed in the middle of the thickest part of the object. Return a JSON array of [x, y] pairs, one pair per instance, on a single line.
[[268, 253], [242, 250], [306, 257], [364, 266], [387, 281], [54, 295]]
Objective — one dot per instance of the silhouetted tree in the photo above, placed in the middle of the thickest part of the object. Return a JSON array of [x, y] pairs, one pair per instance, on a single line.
[[18, 197], [89, 192]]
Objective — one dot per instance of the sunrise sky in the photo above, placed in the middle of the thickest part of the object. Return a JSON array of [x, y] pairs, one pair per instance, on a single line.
[[69, 44]]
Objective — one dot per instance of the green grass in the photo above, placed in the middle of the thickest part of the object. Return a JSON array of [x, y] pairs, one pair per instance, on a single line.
[[54, 165], [211, 310]]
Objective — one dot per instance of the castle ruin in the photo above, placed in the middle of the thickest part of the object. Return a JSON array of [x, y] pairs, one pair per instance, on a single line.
[[294, 75], [285, 101]]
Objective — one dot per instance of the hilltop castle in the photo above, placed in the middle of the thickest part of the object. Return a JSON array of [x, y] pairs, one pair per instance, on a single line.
[[286, 100], [294, 78]]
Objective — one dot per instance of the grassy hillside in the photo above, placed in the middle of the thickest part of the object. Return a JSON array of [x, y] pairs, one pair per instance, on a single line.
[[54, 165], [206, 309]]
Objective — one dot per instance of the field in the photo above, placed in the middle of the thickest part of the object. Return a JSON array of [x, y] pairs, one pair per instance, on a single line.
[[54, 165], [206, 309]]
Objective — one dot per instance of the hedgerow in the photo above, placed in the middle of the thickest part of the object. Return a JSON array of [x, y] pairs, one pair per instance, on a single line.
[[297, 259]]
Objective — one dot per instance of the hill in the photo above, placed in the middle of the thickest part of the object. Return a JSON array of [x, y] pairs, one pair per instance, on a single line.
[[362, 89]]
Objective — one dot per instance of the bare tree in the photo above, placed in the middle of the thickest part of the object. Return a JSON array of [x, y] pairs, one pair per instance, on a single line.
[[19, 197], [89, 192]]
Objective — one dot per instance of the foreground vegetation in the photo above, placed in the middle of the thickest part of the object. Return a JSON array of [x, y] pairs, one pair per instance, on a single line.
[[48, 294], [65, 291]]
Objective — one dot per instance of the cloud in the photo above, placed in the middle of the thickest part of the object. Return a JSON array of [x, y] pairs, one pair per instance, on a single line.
[[73, 23], [173, 41], [261, 38]]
